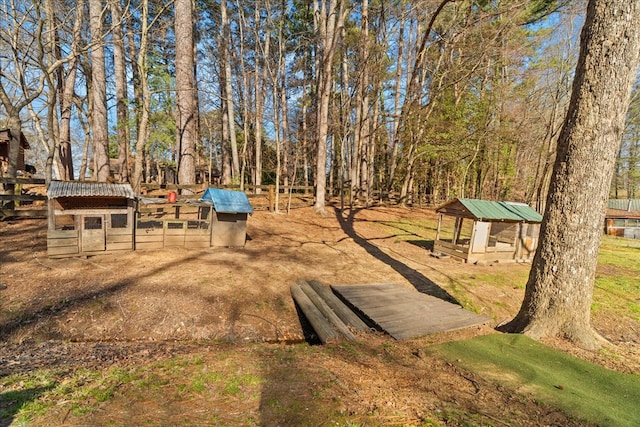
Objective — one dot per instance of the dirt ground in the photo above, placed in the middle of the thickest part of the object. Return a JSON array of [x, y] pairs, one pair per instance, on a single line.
[[143, 306]]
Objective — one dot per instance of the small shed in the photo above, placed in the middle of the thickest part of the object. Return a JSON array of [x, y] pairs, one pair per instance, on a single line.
[[5, 142], [89, 218], [623, 218], [229, 222], [487, 231]]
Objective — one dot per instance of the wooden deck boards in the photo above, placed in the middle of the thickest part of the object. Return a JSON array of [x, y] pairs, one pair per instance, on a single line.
[[404, 313]]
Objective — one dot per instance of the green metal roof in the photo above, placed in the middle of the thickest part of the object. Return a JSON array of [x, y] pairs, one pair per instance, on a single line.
[[498, 211]]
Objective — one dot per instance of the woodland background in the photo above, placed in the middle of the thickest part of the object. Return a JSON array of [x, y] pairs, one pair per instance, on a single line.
[[415, 101]]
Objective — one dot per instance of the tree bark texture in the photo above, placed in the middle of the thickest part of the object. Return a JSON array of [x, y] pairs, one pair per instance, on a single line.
[[559, 291], [331, 19], [122, 101], [185, 114], [99, 88]]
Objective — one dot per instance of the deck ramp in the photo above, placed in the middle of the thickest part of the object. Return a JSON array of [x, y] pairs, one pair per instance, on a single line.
[[405, 313]]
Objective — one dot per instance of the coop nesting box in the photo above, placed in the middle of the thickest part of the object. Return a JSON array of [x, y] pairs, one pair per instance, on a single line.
[[229, 222], [89, 218]]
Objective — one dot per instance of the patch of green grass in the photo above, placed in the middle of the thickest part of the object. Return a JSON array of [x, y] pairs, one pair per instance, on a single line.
[[510, 277], [617, 294], [200, 382], [235, 384], [583, 390]]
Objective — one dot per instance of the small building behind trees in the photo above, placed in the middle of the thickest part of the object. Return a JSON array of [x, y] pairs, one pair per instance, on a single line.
[[623, 218], [479, 231], [5, 143]]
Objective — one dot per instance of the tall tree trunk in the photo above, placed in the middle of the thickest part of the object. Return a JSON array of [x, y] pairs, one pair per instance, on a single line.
[[122, 102], [64, 152], [395, 137], [331, 19], [560, 287], [261, 78], [226, 68], [143, 101], [99, 87], [363, 125], [186, 119]]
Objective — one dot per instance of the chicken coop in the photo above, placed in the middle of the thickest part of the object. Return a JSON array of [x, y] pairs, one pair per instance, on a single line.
[[89, 218]]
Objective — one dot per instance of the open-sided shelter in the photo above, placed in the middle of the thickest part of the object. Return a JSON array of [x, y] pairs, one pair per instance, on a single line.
[[487, 231], [89, 218], [229, 222], [623, 218]]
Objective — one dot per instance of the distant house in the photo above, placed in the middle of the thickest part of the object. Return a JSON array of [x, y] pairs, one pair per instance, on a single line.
[[623, 218], [5, 142], [487, 231]]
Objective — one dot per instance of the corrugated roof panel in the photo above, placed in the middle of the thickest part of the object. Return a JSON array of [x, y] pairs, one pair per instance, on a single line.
[[500, 211], [88, 189], [228, 201], [624, 204]]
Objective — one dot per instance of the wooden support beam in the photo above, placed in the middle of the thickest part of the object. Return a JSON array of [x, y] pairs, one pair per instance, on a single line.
[[327, 312], [320, 324], [339, 308]]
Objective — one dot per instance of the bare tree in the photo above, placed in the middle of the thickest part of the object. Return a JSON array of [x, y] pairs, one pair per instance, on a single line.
[[330, 18], [99, 88], [120, 72], [560, 287]]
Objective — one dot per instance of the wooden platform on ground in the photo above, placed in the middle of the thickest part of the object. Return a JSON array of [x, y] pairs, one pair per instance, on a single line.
[[405, 313]]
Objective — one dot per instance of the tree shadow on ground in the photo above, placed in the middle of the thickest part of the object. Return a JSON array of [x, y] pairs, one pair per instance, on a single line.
[[418, 280], [422, 244], [12, 401]]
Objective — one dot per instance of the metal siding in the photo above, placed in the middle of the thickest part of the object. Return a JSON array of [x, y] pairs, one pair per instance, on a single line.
[[227, 201], [624, 204]]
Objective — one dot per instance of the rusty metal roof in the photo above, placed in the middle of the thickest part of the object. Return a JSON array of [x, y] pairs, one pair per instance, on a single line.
[[485, 210], [88, 189]]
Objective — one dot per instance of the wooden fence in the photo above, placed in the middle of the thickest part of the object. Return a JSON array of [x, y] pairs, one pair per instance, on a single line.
[[14, 204], [263, 197]]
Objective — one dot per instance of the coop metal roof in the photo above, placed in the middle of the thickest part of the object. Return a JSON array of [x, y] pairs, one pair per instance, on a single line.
[[88, 189], [486, 210], [624, 204], [227, 201]]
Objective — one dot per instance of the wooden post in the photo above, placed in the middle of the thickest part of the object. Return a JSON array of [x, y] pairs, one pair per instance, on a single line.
[[272, 198], [326, 311], [320, 324]]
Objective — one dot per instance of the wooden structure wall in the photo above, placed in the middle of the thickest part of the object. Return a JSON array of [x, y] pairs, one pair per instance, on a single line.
[[166, 225], [5, 141], [97, 227]]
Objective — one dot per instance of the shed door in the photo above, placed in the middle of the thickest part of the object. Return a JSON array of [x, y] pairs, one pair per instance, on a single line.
[[480, 235], [93, 236]]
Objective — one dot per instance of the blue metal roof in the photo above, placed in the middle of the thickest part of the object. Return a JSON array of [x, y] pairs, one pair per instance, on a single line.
[[227, 201]]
